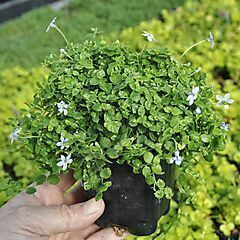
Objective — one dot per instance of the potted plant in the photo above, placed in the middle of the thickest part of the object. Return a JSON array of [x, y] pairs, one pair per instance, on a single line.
[[123, 122]]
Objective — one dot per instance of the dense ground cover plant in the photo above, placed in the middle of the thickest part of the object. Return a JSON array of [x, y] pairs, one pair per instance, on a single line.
[[25, 34], [103, 103], [220, 204]]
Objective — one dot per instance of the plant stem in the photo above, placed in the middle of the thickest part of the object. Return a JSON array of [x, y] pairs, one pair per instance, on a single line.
[[31, 137], [64, 37], [143, 49], [192, 46]]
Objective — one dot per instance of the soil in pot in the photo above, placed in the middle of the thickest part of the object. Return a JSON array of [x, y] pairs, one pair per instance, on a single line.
[[131, 203]]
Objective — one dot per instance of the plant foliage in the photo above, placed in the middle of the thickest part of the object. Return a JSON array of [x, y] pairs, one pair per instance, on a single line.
[[103, 103]]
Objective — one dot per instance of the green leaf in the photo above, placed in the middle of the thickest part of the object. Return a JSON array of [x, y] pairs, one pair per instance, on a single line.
[[99, 196], [160, 183], [169, 145], [31, 190], [157, 169], [168, 192], [105, 142], [146, 171], [209, 157], [112, 153], [156, 160], [226, 228], [40, 179], [149, 180], [148, 157], [112, 126], [141, 111], [105, 173], [137, 163], [174, 121], [205, 138], [78, 174], [159, 194], [53, 179], [104, 187], [87, 186]]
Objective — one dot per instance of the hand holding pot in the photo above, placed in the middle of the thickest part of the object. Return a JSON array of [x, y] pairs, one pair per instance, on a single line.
[[52, 214]]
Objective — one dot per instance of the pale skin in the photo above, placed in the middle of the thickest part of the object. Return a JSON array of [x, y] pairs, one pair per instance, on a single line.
[[53, 214]]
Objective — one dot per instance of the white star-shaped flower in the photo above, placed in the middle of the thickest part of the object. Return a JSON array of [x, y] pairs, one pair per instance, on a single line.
[[65, 161], [62, 143], [225, 100], [62, 107], [177, 158], [51, 24], [149, 36], [193, 95], [14, 136]]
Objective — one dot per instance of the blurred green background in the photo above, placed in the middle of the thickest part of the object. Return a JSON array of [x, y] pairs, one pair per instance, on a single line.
[[176, 24]]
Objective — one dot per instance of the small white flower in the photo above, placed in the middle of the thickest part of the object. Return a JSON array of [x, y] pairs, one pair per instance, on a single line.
[[52, 24], [177, 158], [14, 136], [193, 95], [224, 126], [198, 110], [62, 143], [225, 100], [62, 107], [65, 161], [149, 36], [211, 39]]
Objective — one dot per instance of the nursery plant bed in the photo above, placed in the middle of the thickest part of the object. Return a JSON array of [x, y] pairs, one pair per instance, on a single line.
[[14, 8], [131, 203]]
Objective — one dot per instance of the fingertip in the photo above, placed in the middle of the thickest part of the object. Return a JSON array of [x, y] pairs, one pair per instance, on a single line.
[[101, 204], [92, 207]]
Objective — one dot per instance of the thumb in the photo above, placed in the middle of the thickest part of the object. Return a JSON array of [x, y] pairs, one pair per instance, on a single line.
[[59, 219]]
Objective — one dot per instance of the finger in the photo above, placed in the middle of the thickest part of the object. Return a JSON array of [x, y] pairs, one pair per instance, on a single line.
[[46, 194], [76, 195], [68, 218], [53, 195], [66, 181], [49, 195], [77, 235], [108, 234], [90, 230]]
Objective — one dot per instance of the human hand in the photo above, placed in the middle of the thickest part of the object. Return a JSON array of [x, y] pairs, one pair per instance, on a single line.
[[52, 214]]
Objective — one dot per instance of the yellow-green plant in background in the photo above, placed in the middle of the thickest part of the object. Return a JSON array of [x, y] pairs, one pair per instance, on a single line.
[[17, 87], [191, 23], [216, 211]]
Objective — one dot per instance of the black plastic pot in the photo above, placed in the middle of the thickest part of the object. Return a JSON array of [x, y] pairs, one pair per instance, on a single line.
[[131, 203]]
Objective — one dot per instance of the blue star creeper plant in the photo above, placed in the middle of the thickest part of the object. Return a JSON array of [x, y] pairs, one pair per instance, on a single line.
[[104, 104]]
